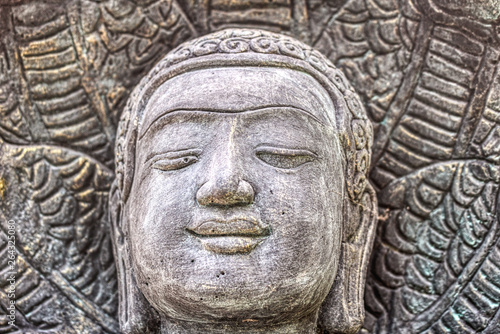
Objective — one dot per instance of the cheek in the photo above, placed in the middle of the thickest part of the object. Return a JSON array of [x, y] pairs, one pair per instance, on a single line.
[[159, 211], [305, 216]]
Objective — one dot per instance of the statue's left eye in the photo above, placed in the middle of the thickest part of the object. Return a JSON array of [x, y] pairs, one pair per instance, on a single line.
[[285, 158], [177, 160]]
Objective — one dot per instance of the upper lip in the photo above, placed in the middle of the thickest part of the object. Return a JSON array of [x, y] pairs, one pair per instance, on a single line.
[[236, 227]]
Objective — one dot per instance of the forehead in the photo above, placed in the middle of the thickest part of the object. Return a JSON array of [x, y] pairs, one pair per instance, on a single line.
[[239, 89]]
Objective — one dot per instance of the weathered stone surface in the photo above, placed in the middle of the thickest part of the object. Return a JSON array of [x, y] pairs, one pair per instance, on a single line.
[[426, 71]]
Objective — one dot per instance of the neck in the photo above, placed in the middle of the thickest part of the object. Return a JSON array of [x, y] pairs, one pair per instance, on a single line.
[[306, 325]]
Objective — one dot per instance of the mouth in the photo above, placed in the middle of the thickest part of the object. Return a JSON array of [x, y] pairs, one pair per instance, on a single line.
[[235, 236]]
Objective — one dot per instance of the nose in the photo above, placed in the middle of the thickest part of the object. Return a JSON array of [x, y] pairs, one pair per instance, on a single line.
[[225, 189]]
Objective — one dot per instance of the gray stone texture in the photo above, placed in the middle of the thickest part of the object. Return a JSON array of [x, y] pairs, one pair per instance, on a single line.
[[427, 75]]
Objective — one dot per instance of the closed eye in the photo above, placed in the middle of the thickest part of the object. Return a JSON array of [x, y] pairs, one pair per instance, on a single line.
[[175, 160], [284, 157]]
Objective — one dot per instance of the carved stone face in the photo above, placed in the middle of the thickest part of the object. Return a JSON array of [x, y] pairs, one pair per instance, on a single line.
[[236, 210]]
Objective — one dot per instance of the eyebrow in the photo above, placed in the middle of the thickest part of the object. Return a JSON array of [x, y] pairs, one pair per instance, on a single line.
[[224, 111]]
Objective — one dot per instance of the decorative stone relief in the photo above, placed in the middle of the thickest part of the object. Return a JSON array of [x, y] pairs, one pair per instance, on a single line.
[[427, 76]]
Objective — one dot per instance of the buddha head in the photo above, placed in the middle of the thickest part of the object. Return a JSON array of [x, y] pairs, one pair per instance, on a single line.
[[241, 202]]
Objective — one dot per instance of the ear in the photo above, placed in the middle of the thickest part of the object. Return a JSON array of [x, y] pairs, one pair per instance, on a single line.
[[135, 314], [343, 309]]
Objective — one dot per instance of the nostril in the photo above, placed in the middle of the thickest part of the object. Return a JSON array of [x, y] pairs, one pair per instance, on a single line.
[[245, 192]]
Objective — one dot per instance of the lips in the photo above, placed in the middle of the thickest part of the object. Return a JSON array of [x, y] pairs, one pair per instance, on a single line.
[[235, 236]]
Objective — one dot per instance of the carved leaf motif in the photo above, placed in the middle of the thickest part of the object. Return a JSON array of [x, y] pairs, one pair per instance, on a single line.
[[371, 41], [58, 199], [41, 307], [435, 258], [126, 41], [32, 312], [426, 76], [65, 75], [13, 125]]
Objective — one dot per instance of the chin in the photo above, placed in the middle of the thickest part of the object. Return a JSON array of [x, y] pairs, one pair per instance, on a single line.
[[272, 303]]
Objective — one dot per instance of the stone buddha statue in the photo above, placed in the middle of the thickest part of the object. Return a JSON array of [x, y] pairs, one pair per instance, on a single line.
[[241, 203]]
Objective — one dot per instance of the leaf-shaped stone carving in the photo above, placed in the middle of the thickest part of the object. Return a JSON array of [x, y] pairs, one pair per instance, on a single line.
[[426, 76], [58, 201], [372, 42], [435, 257], [65, 75]]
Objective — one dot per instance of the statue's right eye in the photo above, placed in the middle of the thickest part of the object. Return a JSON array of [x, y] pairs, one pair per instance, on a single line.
[[175, 160]]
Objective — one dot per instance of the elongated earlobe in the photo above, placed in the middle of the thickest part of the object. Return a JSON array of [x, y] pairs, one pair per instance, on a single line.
[[343, 309], [135, 314]]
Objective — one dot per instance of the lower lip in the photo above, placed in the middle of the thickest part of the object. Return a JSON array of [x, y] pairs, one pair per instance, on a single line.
[[230, 245]]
